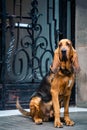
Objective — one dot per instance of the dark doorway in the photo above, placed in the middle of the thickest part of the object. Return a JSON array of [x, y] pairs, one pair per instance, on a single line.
[[29, 33]]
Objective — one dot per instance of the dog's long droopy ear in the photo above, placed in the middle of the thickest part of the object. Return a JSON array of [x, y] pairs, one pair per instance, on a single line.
[[75, 60], [56, 62]]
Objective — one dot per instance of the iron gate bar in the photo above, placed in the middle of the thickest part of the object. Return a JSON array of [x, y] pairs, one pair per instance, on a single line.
[[73, 4], [63, 19], [49, 24], [20, 6], [56, 34], [3, 20]]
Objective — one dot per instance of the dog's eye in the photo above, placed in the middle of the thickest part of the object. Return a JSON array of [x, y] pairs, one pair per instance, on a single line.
[[68, 44], [60, 44]]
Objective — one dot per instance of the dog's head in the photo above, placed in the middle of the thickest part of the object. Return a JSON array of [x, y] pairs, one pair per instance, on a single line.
[[65, 53], [65, 50]]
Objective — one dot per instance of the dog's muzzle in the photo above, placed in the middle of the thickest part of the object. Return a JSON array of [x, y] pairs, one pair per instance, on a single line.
[[64, 56]]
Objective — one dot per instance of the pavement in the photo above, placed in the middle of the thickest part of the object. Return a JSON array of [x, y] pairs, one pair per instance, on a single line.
[[13, 120]]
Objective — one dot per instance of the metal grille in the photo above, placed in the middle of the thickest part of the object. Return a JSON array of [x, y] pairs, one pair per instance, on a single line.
[[29, 52]]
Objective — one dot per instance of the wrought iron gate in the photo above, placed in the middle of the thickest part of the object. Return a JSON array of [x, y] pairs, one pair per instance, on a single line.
[[30, 30]]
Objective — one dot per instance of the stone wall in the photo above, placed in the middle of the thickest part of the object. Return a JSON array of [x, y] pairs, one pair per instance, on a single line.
[[81, 46]]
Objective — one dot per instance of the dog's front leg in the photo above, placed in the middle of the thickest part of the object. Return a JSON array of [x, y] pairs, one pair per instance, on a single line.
[[56, 107], [67, 119]]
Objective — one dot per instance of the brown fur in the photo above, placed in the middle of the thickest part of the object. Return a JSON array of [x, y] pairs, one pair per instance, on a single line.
[[60, 82]]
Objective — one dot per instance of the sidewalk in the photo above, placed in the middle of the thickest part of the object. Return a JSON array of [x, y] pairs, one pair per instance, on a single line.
[[13, 120]]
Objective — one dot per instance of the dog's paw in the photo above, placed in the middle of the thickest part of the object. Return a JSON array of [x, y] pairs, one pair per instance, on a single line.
[[38, 121], [58, 124], [69, 122]]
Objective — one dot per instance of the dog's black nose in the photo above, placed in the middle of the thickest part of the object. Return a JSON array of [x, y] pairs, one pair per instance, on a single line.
[[63, 51]]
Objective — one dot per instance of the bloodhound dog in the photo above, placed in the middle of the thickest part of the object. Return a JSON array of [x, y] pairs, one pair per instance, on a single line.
[[55, 87]]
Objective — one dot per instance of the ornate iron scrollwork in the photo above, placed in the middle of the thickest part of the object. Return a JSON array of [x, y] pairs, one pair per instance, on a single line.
[[32, 57]]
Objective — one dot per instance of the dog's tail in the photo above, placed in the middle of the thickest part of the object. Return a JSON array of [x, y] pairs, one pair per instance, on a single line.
[[24, 112]]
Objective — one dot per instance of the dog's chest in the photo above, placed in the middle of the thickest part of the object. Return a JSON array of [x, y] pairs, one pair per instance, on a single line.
[[65, 86]]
